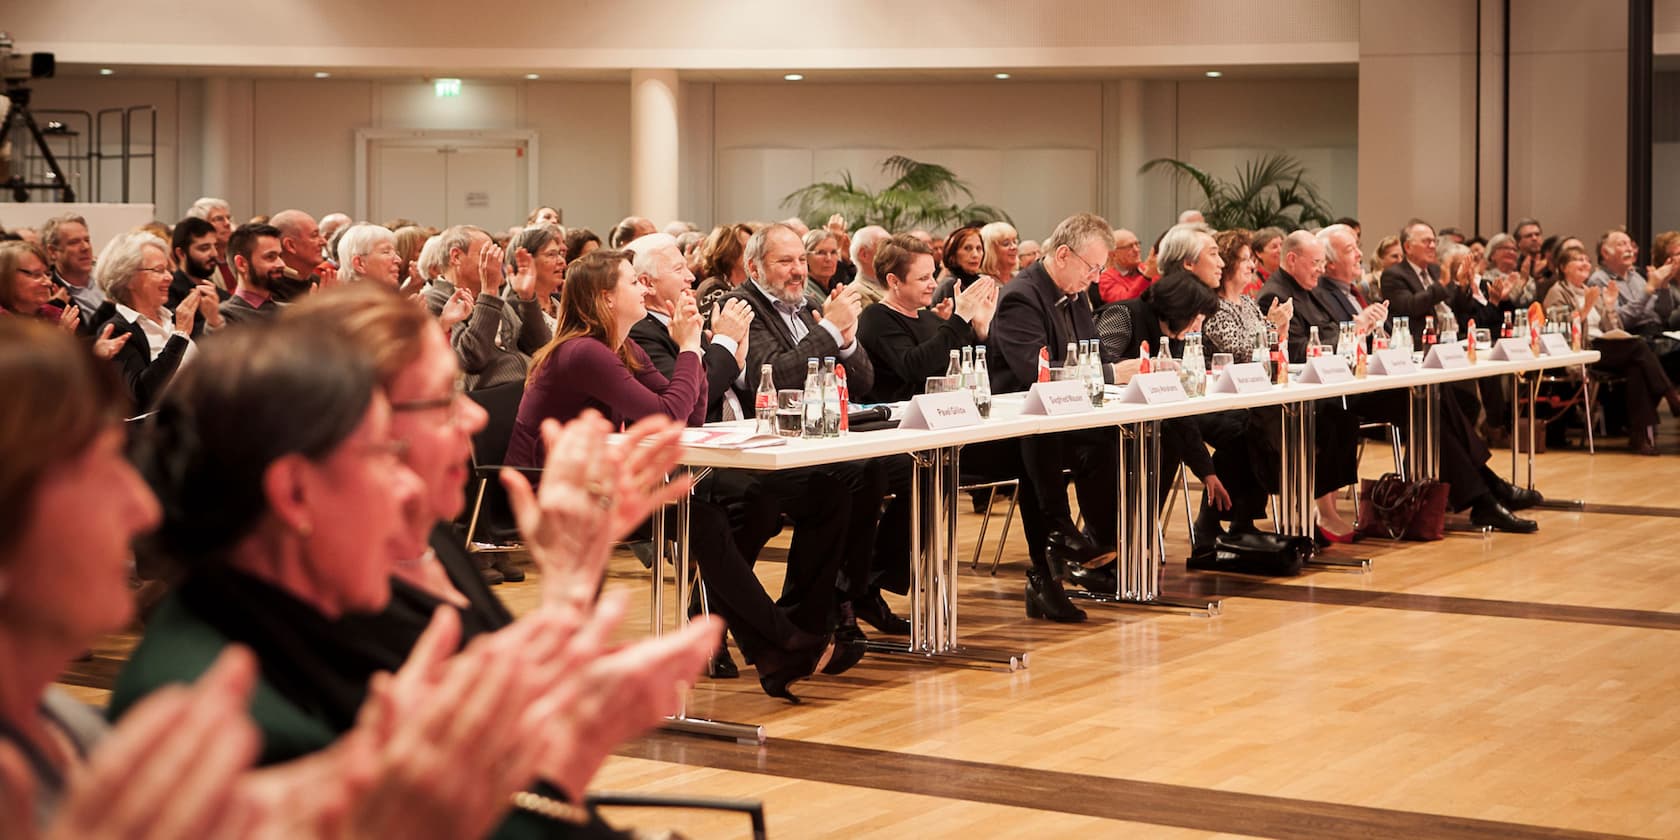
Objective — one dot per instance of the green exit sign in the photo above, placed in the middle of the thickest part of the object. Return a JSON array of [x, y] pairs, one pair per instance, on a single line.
[[446, 87]]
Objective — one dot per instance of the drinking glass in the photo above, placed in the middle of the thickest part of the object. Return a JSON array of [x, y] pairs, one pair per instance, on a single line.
[[1220, 361], [941, 384], [790, 416]]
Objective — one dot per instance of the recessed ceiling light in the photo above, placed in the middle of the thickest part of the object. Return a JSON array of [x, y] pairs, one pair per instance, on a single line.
[[322, 74], [106, 71], [793, 77], [1000, 75], [532, 76], [1214, 74]]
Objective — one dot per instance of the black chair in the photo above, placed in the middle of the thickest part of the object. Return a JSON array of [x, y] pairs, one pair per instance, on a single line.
[[753, 809], [491, 512]]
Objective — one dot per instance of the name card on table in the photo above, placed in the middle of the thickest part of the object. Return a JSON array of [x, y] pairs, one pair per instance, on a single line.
[[1246, 378], [1446, 357], [1154, 389], [1512, 350], [945, 410], [1326, 370], [1391, 362], [1555, 344], [1054, 399]]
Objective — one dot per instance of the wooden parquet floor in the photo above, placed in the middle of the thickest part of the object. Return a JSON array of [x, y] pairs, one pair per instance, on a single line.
[[1497, 686]]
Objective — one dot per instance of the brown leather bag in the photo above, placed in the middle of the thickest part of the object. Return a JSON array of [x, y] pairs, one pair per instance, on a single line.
[[1394, 508]]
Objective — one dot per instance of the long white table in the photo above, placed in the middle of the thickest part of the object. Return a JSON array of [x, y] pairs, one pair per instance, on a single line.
[[936, 453]]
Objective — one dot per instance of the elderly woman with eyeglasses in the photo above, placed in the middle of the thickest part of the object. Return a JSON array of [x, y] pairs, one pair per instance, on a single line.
[[133, 272], [369, 253]]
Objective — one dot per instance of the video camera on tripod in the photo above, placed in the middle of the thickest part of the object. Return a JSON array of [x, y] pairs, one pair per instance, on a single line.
[[16, 69]]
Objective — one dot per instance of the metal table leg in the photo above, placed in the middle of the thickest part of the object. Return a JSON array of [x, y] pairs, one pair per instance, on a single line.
[[933, 571], [1138, 566], [1296, 472], [744, 733]]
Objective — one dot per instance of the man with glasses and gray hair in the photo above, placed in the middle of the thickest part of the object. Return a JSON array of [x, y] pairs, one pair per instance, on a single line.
[[1045, 308]]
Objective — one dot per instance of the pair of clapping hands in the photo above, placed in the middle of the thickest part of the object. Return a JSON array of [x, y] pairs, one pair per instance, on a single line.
[[441, 745]]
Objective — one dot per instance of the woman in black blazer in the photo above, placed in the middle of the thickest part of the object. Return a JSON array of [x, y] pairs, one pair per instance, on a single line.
[[133, 271]]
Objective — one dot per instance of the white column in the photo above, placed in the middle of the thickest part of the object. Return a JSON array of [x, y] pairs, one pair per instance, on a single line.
[[227, 164], [654, 145]]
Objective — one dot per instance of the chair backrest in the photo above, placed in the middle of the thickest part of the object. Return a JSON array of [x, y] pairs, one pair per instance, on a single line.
[[502, 404]]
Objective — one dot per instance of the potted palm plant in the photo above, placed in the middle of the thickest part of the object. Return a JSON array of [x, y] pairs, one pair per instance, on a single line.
[[1270, 192], [920, 195]]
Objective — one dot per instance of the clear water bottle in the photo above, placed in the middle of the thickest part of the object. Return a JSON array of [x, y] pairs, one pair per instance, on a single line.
[[1193, 369], [812, 402], [968, 368], [764, 403], [830, 400], [1092, 370], [982, 383], [953, 370]]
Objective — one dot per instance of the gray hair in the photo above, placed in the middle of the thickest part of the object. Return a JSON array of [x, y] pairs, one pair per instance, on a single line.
[[433, 258], [689, 239], [359, 240], [1078, 229], [49, 231], [1181, 244], [119, 263], [457, 238], [679, 227], [201, 208], [1500, 240], [870, 236], [1295, 242], [1324, 235], [816, 236], [533, 239], [758, 245], [645, 246]]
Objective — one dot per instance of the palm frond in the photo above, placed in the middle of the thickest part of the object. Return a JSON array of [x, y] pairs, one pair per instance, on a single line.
[[1181, 171]]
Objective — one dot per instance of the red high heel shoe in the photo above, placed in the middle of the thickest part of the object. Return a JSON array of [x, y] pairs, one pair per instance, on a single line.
[[1348, 538]]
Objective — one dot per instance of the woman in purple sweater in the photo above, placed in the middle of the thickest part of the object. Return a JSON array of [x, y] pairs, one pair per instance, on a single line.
[[592, 365]]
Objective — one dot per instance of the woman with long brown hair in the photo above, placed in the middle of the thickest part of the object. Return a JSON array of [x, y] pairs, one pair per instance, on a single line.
[[592, 365]]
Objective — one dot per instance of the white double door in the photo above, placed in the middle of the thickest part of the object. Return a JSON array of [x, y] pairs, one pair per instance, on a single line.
[[449, 181]]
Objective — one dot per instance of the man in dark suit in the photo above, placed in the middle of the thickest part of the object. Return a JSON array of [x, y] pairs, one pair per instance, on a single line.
[[1296, 280], [664, 273], [1464, 456], [194, 244], [1413, 285], [785, 333], [1046, 306]]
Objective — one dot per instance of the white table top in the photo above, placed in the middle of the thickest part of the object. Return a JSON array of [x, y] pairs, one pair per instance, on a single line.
[[1008, 422]]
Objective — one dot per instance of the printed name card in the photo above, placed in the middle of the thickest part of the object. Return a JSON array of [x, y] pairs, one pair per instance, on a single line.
[[1154, 389], [1513, 350], [1057, 398], [945, 410], [1246, 378], [1446, 357], [1391, 362], [1326, 370], [1555, 344]]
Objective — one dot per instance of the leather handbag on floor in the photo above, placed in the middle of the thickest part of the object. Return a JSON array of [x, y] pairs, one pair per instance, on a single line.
[[1254, 553], [1394, 508]]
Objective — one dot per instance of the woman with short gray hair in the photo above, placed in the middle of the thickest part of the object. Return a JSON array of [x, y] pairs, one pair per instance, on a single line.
[[369, 252], [133, 272]]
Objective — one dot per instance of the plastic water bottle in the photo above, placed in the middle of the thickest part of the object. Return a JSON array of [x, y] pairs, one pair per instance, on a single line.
[[982, 384]]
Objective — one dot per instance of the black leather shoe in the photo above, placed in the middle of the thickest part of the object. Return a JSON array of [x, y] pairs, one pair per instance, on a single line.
[[847, 629], [722, 666], [873, 609], [1045, 599], [1515, 498], [1071, 547], [1099, 579], [846, 654], [1491, 514], [509, 569], [778, 670]]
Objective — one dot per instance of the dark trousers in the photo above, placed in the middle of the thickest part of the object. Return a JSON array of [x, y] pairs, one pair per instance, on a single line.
[[1464, 455], [1230, 435], [1633, 360], [1335, 443], [1092, 456], [735, 593], [822, 512]]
